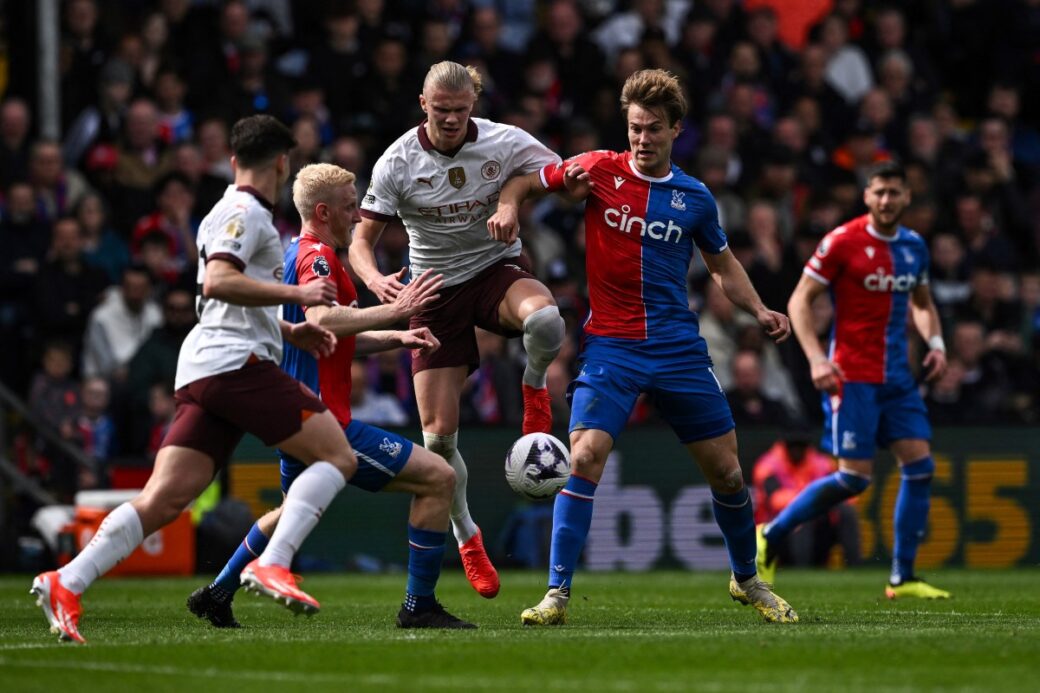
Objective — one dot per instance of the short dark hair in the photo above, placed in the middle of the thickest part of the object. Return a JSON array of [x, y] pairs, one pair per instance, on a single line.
[[258, 139], [886, 169]]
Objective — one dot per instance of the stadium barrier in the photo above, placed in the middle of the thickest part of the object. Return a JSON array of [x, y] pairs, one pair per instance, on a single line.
[[653, 507]]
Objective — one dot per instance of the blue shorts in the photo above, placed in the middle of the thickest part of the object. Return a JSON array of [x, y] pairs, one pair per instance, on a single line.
[[867, 415], [381, 456], [615, 371]]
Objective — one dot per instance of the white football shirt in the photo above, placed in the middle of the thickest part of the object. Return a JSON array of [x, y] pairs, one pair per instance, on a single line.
[[239, 230], [445, 199]]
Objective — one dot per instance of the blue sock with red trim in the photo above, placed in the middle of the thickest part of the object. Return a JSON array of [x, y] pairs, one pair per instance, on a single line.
[[572, 517], [425, 556], [228, 582]]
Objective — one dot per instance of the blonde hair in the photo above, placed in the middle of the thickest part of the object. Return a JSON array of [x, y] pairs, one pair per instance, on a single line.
[[315, 183], [652, 90], [452, 76]]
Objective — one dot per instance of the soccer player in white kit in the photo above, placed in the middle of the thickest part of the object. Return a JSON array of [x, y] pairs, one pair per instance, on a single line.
[[443, 180], [228, 382]]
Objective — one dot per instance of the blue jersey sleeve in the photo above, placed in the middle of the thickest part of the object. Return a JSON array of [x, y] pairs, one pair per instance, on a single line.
[[708, 234]]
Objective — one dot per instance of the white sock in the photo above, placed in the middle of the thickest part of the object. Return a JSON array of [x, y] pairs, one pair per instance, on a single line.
[[543, 336], [308, 497], [447, 447], [119, 534]]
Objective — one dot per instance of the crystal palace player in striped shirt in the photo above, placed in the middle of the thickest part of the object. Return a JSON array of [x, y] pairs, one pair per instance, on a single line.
[[643, 217], [877, 274]]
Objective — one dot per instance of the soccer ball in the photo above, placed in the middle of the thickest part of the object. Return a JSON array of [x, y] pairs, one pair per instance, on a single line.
[[537, 466]]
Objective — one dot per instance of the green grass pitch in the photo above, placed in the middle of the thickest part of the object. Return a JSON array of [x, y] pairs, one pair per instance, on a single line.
[[662, 631]]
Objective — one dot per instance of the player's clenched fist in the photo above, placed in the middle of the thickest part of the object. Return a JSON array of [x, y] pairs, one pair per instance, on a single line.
[[826, 375], [504, 225]]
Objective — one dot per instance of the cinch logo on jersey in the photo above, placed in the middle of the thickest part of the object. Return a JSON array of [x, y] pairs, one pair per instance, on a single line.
[[465, 212], [882, 281], [624, 220]]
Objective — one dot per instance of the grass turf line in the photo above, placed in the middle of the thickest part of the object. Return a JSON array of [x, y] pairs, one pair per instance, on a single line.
[[664, 631]]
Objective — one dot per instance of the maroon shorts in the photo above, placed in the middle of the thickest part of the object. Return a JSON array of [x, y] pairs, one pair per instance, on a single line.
[[475, 302], [259, 398]]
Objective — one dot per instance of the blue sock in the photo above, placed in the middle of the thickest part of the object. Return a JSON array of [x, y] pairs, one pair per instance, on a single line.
[[227, 583], [572, 517], [816, 499], [911, 516], [736, 518], [425, 555]]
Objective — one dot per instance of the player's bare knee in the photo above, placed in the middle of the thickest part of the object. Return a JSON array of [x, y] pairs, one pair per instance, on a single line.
[[157, 510], [585, 462], [730, 480], [441, 480], [345, 462]]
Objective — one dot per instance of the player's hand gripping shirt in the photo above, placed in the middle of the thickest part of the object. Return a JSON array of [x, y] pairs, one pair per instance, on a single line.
[[307, 259], [238, 230], [870, 277], [444, 200], [639, 237]]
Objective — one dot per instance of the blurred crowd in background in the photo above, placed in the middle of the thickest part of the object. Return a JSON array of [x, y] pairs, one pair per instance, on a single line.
[[789, 104]]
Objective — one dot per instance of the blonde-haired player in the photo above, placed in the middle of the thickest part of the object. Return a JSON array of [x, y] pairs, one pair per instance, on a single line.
[[326, 198], [443, 180]]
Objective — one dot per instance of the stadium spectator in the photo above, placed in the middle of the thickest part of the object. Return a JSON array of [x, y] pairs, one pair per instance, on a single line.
[[67, 288], [15, 122], [119, 325], [94, 430], [155, 362], [102, 246], [58, 188], [172, 219], [25, 241], [577, 59], [141, 160], [748, 402], [84, 47], [370, 406], [54, 397], [779, 475], [176, 122], [847, 68], [161, 409]]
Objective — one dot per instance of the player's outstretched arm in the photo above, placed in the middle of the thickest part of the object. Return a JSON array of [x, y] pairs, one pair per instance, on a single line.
[[344, 321], [225, 282], [504, 224], [826, 375], [729, 274], [926, 321], [419, 338], [317, 341], [363, 260]]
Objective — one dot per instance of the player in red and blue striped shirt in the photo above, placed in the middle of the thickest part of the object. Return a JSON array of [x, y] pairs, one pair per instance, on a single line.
[[876, 272], [643, 217]]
